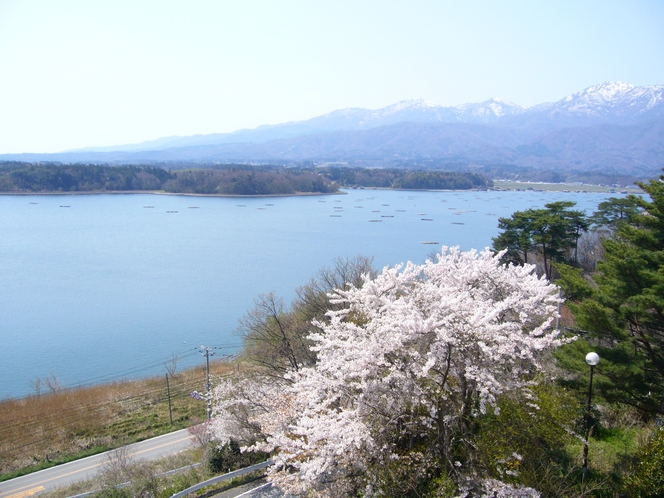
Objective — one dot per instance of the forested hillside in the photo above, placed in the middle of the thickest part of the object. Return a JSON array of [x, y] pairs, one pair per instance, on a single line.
[[233, 179], [405, 178], [26, 177]]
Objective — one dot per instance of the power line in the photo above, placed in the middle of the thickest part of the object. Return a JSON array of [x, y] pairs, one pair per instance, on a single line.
[[56, 423], [133, 370], [187, 353], [133, 396], [120, 374], [70, 415], [75, 409]]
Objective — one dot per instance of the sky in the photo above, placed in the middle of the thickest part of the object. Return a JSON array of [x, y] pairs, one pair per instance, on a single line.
[[81, 73]]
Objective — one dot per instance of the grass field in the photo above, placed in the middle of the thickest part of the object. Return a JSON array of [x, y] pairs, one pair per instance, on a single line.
[[563, 187], [37, 432]]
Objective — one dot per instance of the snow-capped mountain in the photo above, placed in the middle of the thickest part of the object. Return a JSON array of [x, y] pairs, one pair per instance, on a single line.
[[607, 126], [418, 111], [609, 101], [488, 112]]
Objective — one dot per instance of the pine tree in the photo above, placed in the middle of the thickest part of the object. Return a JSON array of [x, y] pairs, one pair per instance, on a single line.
[[552, 233], [625, 310]]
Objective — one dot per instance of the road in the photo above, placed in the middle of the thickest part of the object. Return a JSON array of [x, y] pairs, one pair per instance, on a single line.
[[255, 489], [86, 468]]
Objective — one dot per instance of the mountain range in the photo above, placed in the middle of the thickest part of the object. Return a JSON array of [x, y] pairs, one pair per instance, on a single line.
[[609, 128]]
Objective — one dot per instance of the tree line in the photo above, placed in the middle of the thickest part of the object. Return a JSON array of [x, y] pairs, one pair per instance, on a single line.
[[26, 177], [404, 178], [610, 266], [232, 179], [248, 181]]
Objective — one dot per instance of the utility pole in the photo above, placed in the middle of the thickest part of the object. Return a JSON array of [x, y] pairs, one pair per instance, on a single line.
[[170, 408], [207, 351]]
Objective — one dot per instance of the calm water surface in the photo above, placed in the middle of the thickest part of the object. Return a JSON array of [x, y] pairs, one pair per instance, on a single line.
[[102, 287]]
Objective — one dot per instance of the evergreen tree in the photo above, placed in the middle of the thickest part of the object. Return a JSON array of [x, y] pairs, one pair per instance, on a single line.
[[551, 233], [616, 211], [625, 308], [516, 238]]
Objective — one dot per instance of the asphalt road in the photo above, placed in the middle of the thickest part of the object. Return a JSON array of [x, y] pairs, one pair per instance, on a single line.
[[256, 489], [86, 468]]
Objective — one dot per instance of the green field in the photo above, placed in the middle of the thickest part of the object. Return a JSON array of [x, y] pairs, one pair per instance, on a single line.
[[563, 187]]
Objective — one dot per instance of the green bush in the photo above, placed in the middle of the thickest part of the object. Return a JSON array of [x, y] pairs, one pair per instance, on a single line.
[[525, 442], [647, 481], [228, 457]]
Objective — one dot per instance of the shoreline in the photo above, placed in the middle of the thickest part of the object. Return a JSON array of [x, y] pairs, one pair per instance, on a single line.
[[161, 192], [498, 186], [511, 186]]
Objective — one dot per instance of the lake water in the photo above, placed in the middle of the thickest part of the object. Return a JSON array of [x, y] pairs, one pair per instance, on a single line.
[[102, 287]]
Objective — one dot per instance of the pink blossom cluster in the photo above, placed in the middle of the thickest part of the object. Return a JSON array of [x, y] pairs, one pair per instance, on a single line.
[[411, 356]]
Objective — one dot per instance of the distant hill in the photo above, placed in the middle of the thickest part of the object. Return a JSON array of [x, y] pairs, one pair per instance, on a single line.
[[232, 179], [610, 128]]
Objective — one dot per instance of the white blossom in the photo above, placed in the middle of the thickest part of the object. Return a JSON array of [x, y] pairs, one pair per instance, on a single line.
[[492, 488], [248, 408], [412, 354]]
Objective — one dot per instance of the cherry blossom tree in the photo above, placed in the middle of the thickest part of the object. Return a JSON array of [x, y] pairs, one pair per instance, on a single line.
[[250, 406], [404, 364]]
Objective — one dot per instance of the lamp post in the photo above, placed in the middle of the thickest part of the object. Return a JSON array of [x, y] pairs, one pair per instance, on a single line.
[[592, 359]]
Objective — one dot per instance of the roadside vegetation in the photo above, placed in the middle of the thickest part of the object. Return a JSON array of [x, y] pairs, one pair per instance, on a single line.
[[123, 477], [61, 425]]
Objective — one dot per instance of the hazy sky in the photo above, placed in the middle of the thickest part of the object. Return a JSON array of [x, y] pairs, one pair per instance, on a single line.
[[91, 72]]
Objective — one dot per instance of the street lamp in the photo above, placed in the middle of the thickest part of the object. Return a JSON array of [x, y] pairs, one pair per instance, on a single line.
[[592, 359]]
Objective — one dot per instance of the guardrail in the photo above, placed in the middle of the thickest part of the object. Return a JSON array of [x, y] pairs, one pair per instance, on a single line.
[[125, 484], [200, 485], [225, 477]]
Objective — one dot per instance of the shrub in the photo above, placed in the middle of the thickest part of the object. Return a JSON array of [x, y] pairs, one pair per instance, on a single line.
[[229, 457], [647, 481], [525, 442]]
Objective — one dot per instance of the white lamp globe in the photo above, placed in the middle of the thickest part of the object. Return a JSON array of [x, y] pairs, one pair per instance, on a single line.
[[592, 359]]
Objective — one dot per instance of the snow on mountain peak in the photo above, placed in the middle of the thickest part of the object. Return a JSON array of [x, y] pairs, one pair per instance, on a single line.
[[605, 102], [609, 90], [612, 95], [409, 104], [492, 108]]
